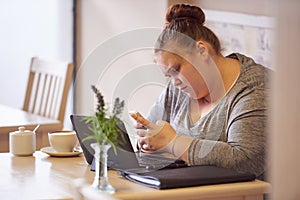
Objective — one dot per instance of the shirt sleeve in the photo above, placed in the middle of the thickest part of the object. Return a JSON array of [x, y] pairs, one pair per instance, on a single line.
[[244, 148]]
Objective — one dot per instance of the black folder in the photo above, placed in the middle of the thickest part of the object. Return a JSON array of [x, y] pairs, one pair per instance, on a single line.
[[187, 177]]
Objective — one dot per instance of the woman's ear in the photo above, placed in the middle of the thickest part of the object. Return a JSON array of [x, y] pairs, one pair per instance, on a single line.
[[201, 48]]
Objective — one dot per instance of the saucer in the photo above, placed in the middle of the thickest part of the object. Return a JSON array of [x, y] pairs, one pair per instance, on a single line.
[[50, 151]]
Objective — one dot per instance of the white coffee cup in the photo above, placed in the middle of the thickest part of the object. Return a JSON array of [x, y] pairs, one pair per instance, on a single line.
[[63, 141]]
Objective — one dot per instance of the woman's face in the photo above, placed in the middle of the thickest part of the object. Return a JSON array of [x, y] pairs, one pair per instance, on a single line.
[[183, 74]]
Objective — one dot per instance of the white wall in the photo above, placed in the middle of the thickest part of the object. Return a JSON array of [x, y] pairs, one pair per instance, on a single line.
[[285, 148], [31, 28], [109, 35]]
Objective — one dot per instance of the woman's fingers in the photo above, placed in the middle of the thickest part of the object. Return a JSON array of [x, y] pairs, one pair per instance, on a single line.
[[139, 126], [142, 132], [145, 146], [140, 119]]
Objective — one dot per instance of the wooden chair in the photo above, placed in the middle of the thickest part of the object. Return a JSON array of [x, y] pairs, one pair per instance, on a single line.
[[48, 88]]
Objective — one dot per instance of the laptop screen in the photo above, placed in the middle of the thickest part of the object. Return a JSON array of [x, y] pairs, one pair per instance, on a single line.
[[124, 158]]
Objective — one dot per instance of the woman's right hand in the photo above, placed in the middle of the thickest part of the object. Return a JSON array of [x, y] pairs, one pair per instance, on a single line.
[[153, 137]]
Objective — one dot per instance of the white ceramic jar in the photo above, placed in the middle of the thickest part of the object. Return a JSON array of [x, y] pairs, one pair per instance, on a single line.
[[22, 142]]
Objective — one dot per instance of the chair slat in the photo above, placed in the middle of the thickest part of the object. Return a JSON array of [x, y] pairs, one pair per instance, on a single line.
[[36, 92], [47, 94], [51, 108], [42, 96]]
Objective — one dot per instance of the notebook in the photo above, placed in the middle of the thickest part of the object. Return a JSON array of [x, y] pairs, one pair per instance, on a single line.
[[125, 158], [187, 177]]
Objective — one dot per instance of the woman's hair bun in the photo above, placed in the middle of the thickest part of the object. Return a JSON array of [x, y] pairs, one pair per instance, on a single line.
[[185, 11]]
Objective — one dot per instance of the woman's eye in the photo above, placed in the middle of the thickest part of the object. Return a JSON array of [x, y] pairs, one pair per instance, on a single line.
[[175, 70], [172, 71]]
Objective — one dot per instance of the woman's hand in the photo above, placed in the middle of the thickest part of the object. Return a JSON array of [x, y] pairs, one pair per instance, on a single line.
[[154, 137]]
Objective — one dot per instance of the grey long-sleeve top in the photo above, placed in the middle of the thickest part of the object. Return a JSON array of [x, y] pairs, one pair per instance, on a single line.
[[233, 134]]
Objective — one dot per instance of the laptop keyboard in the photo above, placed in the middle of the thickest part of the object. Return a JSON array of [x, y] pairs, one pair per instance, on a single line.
[[143, 160], [154, 161]]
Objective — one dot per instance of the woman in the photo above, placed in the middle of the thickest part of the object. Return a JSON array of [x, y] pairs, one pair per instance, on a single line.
[[214, 110]]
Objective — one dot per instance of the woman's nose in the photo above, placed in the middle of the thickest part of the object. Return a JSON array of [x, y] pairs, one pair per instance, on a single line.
[[176, 81]]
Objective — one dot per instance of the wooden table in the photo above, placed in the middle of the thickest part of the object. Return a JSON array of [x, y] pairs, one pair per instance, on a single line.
[[12, 118], [43, 177]]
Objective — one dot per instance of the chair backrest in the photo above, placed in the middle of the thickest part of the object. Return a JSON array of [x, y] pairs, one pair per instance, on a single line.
[[48, 88]]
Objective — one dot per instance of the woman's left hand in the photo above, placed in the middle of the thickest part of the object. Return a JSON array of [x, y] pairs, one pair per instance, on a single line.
[[155, 137]]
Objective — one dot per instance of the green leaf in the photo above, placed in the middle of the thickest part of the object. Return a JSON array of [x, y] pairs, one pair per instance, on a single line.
[[103, 124]]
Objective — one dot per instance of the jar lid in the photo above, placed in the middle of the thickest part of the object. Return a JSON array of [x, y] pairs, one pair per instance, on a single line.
[[22, 131]]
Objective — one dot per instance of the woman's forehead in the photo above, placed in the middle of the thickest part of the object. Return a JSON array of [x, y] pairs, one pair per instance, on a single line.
[[166, 58]]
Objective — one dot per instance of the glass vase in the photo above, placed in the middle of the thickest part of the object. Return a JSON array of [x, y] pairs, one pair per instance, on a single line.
[[101, 182]]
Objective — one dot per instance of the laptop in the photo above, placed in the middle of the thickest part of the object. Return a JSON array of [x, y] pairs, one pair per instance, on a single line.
[[125, 158]]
